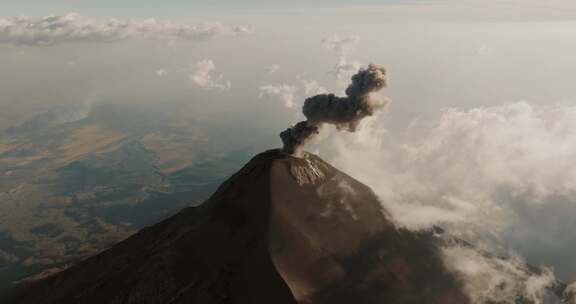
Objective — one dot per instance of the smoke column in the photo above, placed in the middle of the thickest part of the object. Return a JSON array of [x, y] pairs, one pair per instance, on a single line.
[[343, 112]]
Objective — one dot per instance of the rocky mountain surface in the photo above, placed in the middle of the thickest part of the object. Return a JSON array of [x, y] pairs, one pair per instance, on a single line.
[[281, 230]]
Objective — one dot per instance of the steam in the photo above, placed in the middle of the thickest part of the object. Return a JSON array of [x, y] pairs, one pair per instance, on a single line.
[[343, 112]]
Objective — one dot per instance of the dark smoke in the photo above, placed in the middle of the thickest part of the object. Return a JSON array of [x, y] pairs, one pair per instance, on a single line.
[[343, 112]]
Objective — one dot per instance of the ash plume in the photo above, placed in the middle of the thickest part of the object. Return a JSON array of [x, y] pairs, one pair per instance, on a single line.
[[343, 112]]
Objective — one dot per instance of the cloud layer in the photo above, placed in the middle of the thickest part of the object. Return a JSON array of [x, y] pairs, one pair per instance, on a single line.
[[497, 280], [72, 27], [503, 176]]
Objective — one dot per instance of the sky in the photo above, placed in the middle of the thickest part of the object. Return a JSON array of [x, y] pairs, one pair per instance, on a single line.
[[481, 120], [461, 9], [171, 7]]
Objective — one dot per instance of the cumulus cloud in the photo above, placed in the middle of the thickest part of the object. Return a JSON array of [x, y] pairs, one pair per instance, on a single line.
[[570, 292], [72, 27], [286, 93], [289, 93], [343, 69], [502, 176], [342, 46], [312, 87], [488, 279], [272, 69], [201, 75], [161, 72]]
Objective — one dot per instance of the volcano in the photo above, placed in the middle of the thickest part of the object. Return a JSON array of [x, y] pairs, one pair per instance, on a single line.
[[281, 230]]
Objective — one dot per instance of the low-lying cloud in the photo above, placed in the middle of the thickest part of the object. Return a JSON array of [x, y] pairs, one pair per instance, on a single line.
[[502, 176], [500, 280], [72, 27]]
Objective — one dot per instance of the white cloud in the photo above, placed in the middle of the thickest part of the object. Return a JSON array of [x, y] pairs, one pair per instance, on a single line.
[[342, 46], [161, 72], [464, 162], [489, 279], [272, 69], [72, 27], [287, 93], [202, 76], [344, 70], [501, 176], [312, 88]]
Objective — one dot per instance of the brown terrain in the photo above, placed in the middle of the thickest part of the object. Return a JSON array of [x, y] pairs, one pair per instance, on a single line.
[[281, 230]]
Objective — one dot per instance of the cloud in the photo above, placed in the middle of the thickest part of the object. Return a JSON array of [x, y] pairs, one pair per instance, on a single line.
[[312, 87], [72, 27], [201, 75], [272, 69], [489, 279], [161, 72], [570, 292], [501, 176], [342, 46], [344, 69], [287, 93]]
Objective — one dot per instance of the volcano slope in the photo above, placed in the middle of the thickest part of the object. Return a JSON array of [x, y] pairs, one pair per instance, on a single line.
[[281, 230]]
